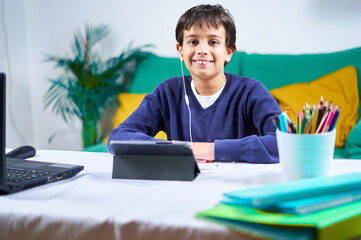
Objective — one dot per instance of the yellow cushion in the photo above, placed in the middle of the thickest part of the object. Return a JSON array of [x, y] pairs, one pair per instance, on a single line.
[[129, 102], [340, 87]]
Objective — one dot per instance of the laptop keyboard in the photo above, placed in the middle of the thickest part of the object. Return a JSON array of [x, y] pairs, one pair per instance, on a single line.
[[19, 175]]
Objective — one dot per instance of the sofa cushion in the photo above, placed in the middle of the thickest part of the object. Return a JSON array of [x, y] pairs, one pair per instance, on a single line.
[[340, 87], [277, 70], [128, 103], [353, 142]]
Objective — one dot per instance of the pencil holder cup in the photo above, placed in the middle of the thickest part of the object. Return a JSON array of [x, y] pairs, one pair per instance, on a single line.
[[305, 155]]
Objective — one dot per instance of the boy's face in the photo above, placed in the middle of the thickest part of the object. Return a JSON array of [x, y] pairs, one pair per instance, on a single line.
[[204, 52]]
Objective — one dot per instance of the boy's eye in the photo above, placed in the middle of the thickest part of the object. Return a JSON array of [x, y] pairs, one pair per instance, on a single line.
[[193, 42], [213, 43]]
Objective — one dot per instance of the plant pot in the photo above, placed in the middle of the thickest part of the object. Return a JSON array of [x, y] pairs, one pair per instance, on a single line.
[[89, 134]]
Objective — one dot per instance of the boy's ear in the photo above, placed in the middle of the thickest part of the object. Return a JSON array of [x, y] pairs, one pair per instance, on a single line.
[[229, 55], [179, 50]]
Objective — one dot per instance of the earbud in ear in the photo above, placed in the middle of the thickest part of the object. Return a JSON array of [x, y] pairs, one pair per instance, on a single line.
[[180, 55]]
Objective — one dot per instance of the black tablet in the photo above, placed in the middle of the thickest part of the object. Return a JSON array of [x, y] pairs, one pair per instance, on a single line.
[[154, 160]]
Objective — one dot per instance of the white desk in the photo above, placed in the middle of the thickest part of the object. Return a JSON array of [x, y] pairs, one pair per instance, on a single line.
[[93, 206]]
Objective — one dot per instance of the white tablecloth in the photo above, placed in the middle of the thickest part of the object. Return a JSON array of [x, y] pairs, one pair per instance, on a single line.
[[92, 205]]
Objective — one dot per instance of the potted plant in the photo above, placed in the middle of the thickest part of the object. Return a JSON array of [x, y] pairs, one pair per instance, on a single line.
[[88, 85]]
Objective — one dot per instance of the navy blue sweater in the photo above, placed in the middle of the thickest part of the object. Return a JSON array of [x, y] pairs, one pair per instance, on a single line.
[[238, 122]]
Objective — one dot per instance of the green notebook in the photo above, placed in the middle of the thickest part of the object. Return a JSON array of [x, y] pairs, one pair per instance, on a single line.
[[265, 231], [342, 222]]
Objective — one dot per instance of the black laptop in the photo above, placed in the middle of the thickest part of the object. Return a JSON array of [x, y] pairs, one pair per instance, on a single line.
[[18, 174]]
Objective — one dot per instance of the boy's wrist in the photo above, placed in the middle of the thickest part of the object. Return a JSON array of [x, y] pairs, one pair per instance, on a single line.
[[203, 151]]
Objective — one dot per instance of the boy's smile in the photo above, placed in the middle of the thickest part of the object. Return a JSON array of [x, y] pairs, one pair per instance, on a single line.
[[204, 53], [202, 62]]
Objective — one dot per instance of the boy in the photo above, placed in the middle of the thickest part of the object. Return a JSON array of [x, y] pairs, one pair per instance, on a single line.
[[224, 116]]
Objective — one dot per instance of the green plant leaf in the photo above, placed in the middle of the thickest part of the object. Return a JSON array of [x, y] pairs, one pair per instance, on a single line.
[[88, 85]]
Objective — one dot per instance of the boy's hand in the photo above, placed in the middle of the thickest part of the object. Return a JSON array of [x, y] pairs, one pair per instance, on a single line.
[[203, 152]]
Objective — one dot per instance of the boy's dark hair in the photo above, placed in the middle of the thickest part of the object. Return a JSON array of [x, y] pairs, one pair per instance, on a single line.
[[212, 15]]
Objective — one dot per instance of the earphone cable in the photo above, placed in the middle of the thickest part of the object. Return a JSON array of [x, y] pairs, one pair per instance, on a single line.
[[187, 103]]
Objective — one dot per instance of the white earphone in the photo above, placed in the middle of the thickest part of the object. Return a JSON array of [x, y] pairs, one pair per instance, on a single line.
[[186, 98]]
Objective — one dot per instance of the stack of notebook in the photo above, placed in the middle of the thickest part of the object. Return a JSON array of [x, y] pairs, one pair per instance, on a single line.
[[316, 208]]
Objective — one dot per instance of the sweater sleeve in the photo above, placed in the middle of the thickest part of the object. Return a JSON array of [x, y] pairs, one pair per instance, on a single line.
[[260, 147], [142, 124]]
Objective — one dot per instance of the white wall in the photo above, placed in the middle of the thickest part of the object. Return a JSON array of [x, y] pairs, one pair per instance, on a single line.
[[14, 62], [35, 27]]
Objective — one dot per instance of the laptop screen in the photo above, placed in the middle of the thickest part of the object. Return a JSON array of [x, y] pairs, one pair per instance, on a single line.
[[2, 128]]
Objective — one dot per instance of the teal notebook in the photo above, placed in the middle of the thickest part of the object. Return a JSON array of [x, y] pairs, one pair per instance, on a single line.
[[304, 205], [313, 190]]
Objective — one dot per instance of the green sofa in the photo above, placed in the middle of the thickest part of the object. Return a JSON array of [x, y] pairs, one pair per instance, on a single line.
[[273, 70]]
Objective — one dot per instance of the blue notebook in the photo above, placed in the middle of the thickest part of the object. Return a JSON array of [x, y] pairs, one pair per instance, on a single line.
[[302, 196]]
